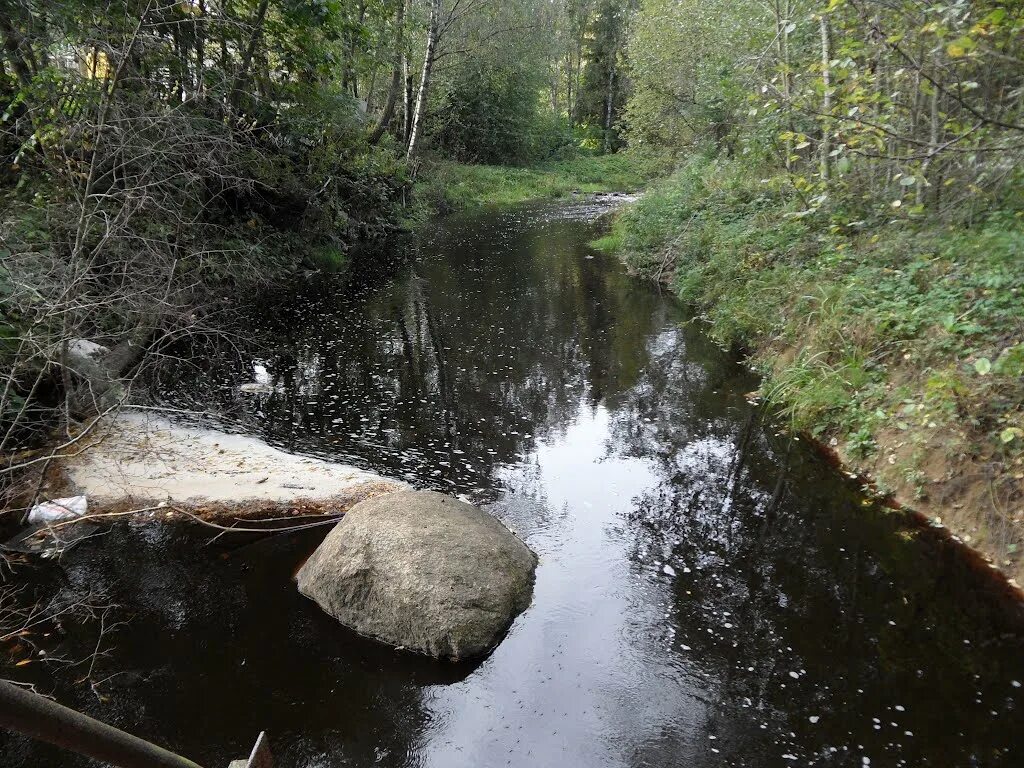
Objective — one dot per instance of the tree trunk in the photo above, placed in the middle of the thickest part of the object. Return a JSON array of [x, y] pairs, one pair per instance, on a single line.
[[577, 76], [933, 145], [225, 13], [826, 101], [407, 103], [569, 91], [250, 50], [351, 76], [13, 47], [428, 65], [396, 76], [782, 50], [608, 107], [199, 28], [181, 86]]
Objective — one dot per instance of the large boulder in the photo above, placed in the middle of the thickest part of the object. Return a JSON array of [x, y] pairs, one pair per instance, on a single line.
[[424, 571]]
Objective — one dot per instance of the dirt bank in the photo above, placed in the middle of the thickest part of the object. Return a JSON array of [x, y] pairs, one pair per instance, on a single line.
[[962, 494]]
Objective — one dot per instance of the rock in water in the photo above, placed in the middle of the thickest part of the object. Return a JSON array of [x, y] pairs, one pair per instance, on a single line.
[[422, 570]]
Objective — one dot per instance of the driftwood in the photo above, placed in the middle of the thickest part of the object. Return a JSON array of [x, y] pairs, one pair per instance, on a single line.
[[97, 373]]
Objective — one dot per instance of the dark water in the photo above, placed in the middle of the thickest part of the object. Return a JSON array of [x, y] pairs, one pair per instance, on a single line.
[[709, 593]]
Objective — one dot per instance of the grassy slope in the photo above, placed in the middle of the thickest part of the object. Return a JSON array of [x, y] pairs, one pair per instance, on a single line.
[[445, 187], [902, 345]]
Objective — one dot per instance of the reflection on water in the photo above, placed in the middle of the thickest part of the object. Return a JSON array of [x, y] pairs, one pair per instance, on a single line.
[[708, 594]]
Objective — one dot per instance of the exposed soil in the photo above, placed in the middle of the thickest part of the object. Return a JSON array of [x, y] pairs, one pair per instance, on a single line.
[[965, 494]]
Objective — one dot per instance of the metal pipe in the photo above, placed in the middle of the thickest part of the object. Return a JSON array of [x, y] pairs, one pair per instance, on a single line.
[[40, 718]]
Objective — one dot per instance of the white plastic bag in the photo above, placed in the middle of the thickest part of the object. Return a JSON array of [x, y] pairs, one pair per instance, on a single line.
[[57, 510]]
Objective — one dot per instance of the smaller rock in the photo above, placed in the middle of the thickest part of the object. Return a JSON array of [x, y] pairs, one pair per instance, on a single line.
[[84, 348]]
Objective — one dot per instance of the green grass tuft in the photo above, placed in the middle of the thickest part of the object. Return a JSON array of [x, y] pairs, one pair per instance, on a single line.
[[610, 243], [329, 258]]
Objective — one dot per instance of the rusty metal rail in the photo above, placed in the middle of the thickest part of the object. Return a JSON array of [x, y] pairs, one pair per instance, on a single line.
[[40, 718]]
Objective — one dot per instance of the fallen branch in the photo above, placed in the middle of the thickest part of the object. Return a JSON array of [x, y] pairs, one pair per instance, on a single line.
[[324, 520]]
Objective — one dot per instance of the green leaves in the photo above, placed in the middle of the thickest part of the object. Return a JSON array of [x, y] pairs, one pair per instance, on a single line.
[[1010, 434], [1009, 363], [961, 47], [995, 18]]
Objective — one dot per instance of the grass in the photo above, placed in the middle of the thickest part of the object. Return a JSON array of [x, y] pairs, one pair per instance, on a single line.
[[444, 187], [327, 258], [609, 243], [900, 343]]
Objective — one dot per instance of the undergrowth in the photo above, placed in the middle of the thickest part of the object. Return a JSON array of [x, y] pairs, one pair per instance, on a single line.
[[899, 341]]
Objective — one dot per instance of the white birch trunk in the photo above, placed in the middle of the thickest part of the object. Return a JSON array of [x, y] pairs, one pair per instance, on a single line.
[[428, 64]]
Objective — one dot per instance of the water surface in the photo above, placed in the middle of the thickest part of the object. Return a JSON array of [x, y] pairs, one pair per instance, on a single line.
[[709, 592]]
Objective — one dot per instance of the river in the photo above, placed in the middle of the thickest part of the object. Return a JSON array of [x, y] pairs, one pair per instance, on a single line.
[[710, 592]]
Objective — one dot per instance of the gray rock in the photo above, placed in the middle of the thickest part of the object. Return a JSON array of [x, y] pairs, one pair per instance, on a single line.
[[79, 349], [423, 571]]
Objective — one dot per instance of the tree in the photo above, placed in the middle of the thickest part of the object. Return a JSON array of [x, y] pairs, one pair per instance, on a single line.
[[156, 156], [434, 27]]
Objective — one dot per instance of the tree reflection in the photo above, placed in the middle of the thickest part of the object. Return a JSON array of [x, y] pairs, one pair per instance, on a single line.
[[801, 607], [449, 369], [793, 605]]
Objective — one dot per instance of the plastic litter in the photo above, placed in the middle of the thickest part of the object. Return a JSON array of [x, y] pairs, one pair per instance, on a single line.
[[57, 510]]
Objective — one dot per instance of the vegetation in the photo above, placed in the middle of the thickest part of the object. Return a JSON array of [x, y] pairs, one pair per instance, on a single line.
[[844, 314], [158, 157], [846, 205], [848, 211], [155, 157], [452, 186]]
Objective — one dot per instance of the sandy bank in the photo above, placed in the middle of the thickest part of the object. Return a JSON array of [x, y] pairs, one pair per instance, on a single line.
[[146, 459]]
